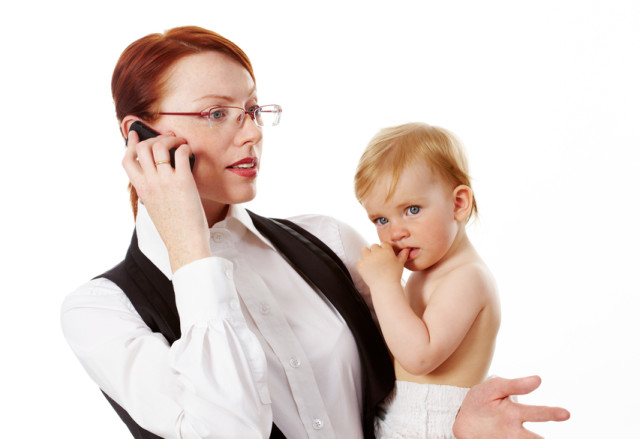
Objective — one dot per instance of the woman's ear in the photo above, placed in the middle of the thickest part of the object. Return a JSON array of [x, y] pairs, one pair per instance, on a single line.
[[462, 202], [126, 123]]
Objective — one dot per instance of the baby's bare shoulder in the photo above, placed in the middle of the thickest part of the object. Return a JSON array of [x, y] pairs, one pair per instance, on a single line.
[[476, 271], [470, 279]]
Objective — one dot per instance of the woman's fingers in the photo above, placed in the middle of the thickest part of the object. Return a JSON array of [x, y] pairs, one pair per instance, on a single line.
[[499, 388], [130, 160], [153, 154], [539, 413], [161, 157], [147, 163], [145, 155], [182, 155], [522, 386], [530, 413]]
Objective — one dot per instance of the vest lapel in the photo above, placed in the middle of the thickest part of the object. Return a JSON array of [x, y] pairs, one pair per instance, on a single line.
[[322, 268]]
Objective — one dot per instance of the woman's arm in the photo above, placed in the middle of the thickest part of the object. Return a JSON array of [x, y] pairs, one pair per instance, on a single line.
[[210, 383]]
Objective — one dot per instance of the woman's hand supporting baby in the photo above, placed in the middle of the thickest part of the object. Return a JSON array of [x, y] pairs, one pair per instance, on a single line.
[[489, 412]]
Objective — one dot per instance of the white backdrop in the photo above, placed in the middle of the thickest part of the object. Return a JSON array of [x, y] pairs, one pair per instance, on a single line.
[[545, 95]]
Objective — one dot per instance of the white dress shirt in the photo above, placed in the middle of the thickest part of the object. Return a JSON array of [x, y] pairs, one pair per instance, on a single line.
[[258, 343]]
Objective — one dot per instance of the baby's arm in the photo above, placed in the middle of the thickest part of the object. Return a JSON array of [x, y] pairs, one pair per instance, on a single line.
[[452, 308], [421, 343]]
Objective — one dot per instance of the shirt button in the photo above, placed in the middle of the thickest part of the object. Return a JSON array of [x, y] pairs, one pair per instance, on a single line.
[[265, 309], [234, 304], [318, 424], [294, 362], [217, 237], [229, 273]]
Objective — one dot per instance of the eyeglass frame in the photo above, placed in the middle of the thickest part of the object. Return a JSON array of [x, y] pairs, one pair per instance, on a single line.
[[251, 112]]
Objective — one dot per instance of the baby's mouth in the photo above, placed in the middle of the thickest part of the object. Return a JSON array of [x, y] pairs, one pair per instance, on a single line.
[[413, 252]]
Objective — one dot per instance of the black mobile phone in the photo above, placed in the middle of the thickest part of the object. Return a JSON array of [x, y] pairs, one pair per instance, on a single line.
[[146, 132]]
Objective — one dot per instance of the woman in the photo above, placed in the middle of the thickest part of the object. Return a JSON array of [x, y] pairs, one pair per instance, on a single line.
[[221, 323]]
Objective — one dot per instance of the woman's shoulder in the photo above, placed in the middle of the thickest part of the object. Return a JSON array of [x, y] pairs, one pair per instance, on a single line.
[[93, 313], [326, 227], [343, 239], [316, 224], [98, 293], [97, 287]]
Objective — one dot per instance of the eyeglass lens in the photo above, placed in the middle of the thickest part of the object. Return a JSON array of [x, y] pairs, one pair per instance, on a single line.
[[267, 115]]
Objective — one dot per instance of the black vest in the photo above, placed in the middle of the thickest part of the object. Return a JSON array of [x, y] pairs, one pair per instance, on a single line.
[[152, 295]]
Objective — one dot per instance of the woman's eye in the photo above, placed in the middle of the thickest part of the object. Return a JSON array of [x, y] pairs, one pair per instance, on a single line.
[[217, 114], [413, 210], [380, 221]]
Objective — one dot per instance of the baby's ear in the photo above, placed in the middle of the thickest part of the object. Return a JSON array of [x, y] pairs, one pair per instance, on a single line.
[[463, 202]]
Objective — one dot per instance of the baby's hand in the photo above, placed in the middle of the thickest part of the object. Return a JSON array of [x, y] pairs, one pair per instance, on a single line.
[[380, 265]]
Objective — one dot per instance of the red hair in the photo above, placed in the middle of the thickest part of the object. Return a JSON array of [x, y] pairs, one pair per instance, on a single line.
[[141, 72]]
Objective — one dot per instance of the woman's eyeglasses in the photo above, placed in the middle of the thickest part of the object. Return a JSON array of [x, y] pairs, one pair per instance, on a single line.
[[227, 116]]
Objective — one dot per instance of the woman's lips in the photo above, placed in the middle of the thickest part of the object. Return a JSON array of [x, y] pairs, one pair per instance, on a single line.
[[247, 167]]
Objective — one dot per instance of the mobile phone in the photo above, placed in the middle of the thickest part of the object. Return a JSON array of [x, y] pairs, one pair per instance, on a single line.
[[146, 132]]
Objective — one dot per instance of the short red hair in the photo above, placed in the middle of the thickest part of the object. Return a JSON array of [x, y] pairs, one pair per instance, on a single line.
[[140, 74]]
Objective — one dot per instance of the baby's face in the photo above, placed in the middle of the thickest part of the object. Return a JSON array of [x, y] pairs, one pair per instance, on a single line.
[[420, 215]]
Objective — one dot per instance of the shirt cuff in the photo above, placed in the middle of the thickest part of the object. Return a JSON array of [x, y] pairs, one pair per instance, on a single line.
[[205, 292]]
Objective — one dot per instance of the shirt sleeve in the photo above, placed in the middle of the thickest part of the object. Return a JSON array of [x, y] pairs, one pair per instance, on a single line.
[[211, 383]]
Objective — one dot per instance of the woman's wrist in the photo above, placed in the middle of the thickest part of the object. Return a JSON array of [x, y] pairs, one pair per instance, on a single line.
[[188, 251]]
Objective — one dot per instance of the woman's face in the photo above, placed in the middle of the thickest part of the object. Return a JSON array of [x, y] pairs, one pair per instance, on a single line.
[[199, 82]]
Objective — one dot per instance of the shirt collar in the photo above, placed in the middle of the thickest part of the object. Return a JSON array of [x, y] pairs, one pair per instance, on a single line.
[[239, 215], [237, 221]]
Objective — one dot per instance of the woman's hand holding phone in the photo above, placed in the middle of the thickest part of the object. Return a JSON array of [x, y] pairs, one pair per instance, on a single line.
[[169, 194]]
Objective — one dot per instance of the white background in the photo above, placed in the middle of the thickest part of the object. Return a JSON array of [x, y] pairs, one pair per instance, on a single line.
[[545, 95]]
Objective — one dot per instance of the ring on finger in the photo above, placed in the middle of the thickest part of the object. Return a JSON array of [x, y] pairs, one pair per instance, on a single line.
[[162, 162]]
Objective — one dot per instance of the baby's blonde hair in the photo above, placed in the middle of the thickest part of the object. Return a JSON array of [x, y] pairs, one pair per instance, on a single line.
[[395, 148]]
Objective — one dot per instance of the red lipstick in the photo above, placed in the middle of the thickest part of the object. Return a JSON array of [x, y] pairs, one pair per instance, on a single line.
[[247, 167]]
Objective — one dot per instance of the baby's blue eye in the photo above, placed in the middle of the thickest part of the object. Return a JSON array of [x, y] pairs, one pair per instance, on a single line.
[[381, 221], [413, 210]]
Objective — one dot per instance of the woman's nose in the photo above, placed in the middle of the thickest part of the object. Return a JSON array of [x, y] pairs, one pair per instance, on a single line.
[[248, 132]]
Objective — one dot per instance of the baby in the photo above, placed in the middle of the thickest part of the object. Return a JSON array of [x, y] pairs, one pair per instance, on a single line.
[[441, 328]]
